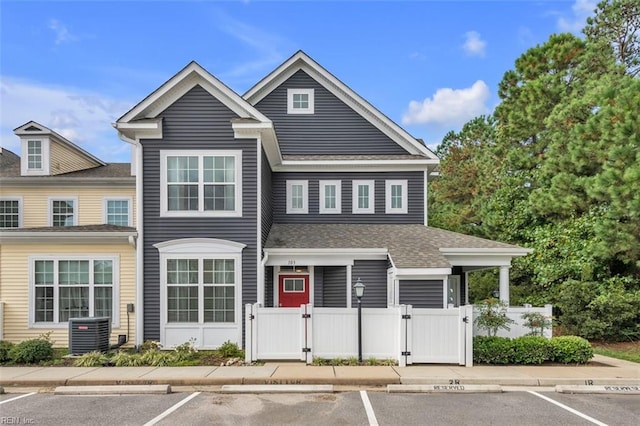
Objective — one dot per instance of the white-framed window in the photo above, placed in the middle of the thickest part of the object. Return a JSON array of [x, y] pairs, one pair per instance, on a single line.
[[35, 156], [330, 197], [300, 101], [201, 183], [201, 281], [73, 287], [63, 211], [293, 285], [297, 196], [396, 196], [117, 211], [363, 197], [10, 212]]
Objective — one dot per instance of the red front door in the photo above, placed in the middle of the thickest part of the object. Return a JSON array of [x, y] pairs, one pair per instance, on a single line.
[[293, 290]]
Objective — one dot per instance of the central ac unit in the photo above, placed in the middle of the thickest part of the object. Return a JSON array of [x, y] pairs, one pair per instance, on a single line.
[[89, 334]]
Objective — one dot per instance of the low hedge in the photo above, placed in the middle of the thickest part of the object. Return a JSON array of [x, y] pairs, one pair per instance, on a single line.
[[531, 350]]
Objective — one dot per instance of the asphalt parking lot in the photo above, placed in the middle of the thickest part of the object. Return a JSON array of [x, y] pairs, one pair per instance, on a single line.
[[343, 408]]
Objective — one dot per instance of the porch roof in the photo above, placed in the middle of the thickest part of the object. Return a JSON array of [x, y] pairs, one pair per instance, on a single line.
[[410, 246]]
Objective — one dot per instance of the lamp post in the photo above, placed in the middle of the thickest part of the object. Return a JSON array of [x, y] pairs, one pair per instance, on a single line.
[[358, 287]]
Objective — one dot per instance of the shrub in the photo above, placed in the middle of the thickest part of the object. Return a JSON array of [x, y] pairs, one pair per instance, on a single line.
[[5, 349], [157, 358], [185, 351], [492, 350], [91, 359], [149, 345], [570, 350], [536, 322], [530, 350], [492, 316], [124, 359], [32, 351], [230, 350]]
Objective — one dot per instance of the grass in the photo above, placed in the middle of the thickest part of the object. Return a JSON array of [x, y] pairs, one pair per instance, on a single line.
[[628, 351]]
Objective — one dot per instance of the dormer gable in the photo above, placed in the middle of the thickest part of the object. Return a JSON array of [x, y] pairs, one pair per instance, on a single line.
[[45, 152]]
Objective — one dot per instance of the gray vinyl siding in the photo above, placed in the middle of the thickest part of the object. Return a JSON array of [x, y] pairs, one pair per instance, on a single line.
[[334, 128], [318, 285], [457, 270], [268, 287], [415, 198], [373, 274], [197, 121], [266, 198], [334, 289], [421, 293]]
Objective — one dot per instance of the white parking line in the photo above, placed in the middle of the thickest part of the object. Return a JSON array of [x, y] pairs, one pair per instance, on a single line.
[[368, 408], [17, 397], [569, 409], [171, 410]]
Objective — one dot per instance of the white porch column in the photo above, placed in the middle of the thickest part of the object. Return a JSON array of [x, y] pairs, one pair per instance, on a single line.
[[504, 284]]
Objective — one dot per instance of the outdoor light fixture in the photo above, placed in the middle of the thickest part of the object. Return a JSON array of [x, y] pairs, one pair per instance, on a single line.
[[358, 287]]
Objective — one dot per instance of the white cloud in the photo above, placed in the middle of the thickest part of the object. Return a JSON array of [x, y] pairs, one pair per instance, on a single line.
[[474, 45], [581, 9], [83, 117], [61, 32], [449, 107]]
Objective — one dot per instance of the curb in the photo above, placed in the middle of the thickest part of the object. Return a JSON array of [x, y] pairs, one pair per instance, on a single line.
[[610, 389], [444, 389], [277, 389], [113, 390]]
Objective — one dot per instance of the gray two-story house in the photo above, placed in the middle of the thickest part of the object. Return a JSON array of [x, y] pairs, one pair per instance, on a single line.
[[283, 197]]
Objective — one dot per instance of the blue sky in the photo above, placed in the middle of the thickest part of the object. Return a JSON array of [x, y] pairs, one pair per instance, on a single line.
[[428, 65]]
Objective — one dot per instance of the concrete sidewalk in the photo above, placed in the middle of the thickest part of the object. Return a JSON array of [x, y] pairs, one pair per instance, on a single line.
[[606, 371]]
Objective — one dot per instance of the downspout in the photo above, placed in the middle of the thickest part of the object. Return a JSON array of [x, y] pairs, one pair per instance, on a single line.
[[139, 305]]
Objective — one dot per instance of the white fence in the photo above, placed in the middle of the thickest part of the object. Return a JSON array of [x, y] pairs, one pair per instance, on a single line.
[[517, 329], [400, 333]]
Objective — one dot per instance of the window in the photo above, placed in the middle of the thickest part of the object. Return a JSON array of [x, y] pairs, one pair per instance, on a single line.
[[330, 197], [363, 196], [396, 196], [10, 212], [297, 196], [201, 183], [63, 212], [191, 280], [73, 288], [300, 101], [294, 285], [34, 155], [117, 211]]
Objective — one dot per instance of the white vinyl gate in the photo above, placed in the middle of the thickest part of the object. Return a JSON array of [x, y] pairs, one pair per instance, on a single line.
[[408, 335]]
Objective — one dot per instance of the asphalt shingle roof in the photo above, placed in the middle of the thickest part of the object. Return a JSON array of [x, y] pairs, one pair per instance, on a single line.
[[67, 229], [410, 246]]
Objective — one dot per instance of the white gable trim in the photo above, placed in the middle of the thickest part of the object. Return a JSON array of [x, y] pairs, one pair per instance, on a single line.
[[301, 61]]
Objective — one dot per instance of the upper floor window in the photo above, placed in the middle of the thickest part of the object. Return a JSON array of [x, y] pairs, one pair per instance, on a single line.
[[117, 211], [63, 212], [201, 183], [300, 101], [330, 197], [297, 196], [78, 287], [396, 196], [34, 155], [10, 212], [363, 197]]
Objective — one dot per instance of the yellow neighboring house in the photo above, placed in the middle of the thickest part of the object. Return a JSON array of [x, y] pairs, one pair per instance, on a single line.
[[67, 239]]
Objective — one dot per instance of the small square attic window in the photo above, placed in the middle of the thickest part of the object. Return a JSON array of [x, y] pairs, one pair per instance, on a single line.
[[300, 101]]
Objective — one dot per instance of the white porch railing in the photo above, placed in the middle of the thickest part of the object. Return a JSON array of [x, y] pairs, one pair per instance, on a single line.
[[401, 333], [518, 329]]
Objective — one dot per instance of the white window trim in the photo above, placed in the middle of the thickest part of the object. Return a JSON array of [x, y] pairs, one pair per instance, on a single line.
[[292, 110], [404, 209], [323, 186], [20, 210], [200, 248], [164, 208], [115, 312], [305, 197], [24, 159], [372, 199], [61, 198], [105, 212]]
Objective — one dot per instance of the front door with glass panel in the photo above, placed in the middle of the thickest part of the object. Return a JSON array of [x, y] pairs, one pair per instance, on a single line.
[[293, 290]]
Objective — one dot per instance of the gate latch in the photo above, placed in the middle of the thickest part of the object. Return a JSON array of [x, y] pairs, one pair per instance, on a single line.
[[306, 315], [465, 319], [406, 316]]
